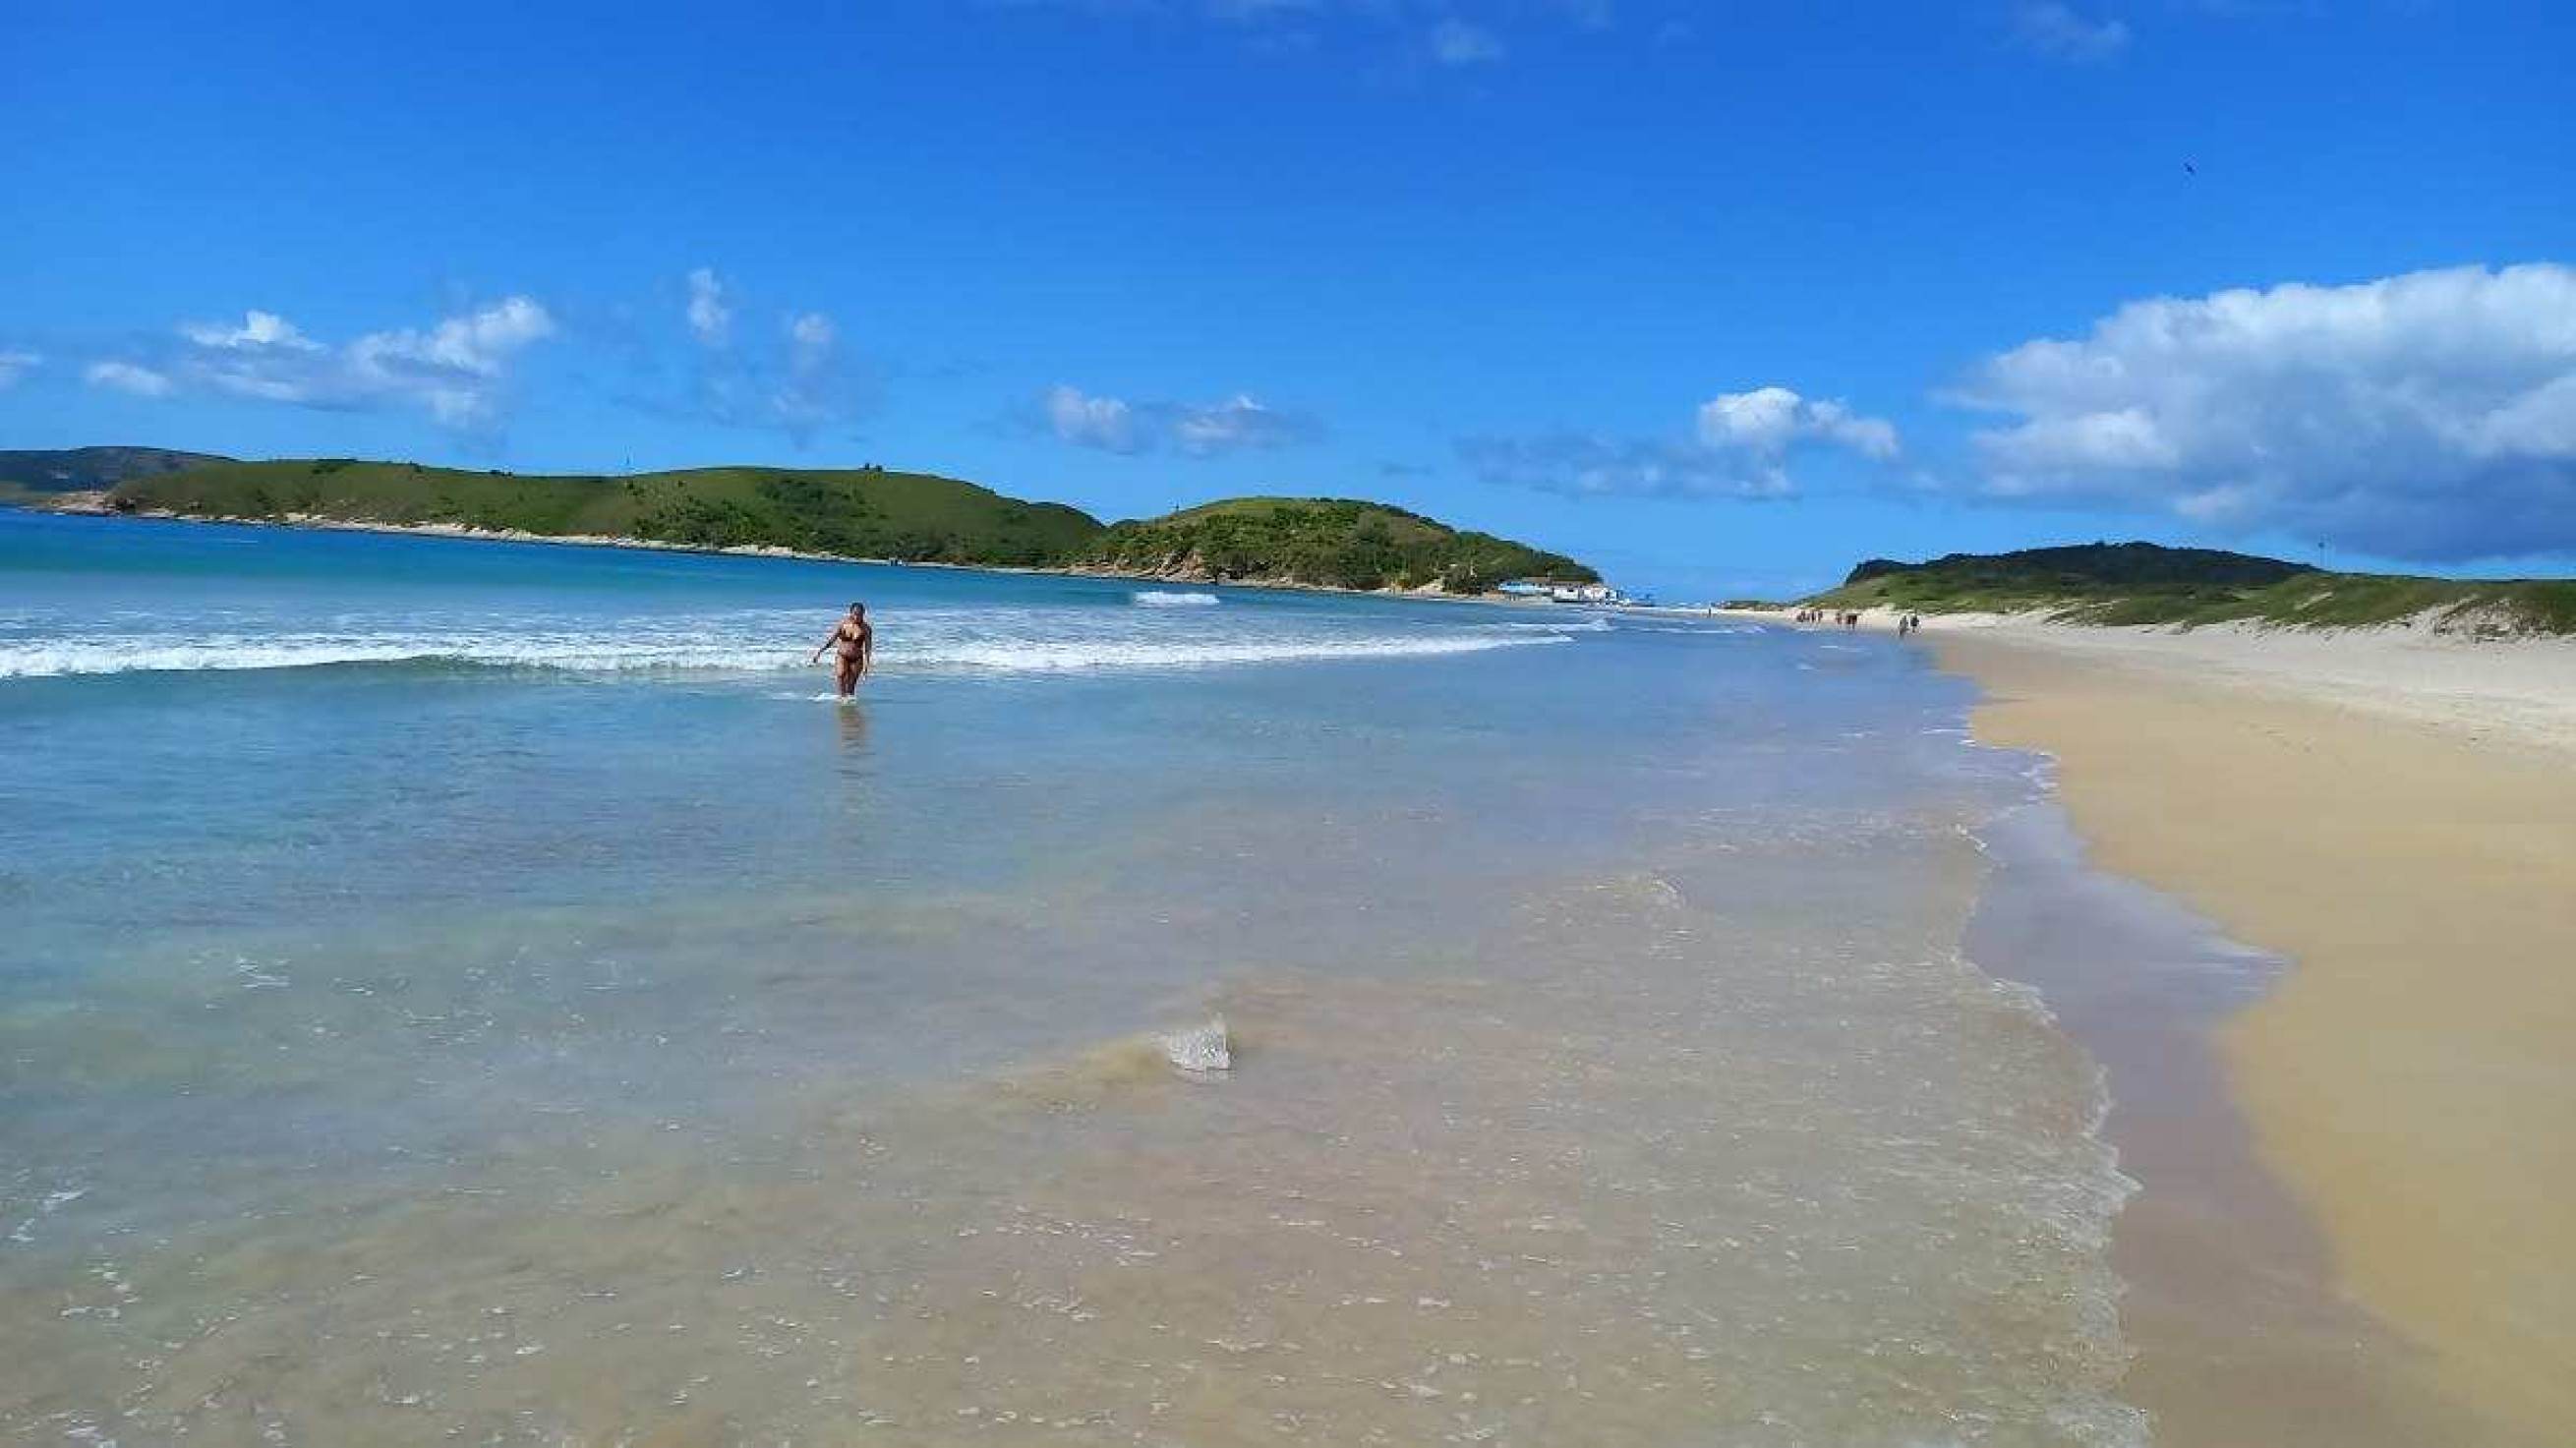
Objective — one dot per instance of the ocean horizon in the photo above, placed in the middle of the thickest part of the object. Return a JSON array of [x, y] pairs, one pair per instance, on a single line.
[[463, 989]]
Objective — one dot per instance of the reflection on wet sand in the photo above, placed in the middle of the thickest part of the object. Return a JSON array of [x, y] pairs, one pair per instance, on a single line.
[[851, 716]]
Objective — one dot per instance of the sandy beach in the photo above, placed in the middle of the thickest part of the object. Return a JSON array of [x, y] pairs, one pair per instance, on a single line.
[[2394, 814]]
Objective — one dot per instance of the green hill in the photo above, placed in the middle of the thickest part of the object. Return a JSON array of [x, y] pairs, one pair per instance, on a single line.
[[863, 513], [88, 469], [1327, 542], [858, 513], [2143, 583]]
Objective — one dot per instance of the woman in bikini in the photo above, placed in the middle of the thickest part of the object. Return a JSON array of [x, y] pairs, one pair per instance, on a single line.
[[854, 641]]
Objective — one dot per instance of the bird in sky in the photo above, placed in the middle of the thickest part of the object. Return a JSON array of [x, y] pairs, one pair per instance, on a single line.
[[2189, 169]]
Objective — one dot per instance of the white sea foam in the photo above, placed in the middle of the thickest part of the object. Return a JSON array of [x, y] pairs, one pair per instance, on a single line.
[[1173, 600], [1047, 656], [298, 651], [946, 649], [1200, 1049]]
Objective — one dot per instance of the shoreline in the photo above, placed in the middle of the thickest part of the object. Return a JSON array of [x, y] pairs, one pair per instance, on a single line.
[[2350, 1227], [81, 506], [2516, 691], [2236, 1330]]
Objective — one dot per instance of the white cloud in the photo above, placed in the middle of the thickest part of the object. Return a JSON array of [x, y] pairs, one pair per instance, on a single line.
[[808, 394], [2430, 415], [14, 365], [127, 377], [710, 314], [478, 344], [1585, 465], [457, 370], [454, 368], [811, 333], [1741, 449], [1766, 420], [2052, 28], [1456, 42], [797, 377], [1238, 424], [1234, 425], [258, 329], [1085, 421], [1873, 437]]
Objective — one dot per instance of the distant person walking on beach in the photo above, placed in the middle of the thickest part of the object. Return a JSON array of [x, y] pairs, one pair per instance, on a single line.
[[854, 642]]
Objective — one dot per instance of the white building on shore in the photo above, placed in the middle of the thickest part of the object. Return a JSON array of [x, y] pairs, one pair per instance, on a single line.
[[1556, 592]]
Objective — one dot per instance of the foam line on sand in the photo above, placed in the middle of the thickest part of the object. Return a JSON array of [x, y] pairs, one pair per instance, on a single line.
[[2408, 843]]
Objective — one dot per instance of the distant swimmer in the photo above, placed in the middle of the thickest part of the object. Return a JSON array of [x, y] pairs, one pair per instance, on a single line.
[[855, 643]]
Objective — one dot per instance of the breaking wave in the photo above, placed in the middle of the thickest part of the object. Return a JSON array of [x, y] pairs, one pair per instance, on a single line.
[[1173, 600], [1048, 657], [629, 652]]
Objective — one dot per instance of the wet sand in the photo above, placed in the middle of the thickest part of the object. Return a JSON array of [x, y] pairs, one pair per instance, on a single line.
[[2354, 1222]]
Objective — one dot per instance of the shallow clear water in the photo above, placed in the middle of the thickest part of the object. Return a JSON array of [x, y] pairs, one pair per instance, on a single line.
[[477, 991]]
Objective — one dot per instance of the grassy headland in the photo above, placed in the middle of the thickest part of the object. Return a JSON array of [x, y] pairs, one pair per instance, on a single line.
[[2143, 583], [1333, 542], [29, 476], [860, 513]]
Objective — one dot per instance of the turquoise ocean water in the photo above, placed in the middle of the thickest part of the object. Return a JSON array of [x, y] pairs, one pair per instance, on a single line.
[[483, 992]]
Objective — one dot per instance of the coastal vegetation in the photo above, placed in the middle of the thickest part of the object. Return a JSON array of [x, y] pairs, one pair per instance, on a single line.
[[2144, 583], [1333, 542], [866, 512], [858, 513], [30, 475]]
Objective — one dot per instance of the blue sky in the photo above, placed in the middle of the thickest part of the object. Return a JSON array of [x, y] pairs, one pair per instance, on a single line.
[[1720, 297]]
